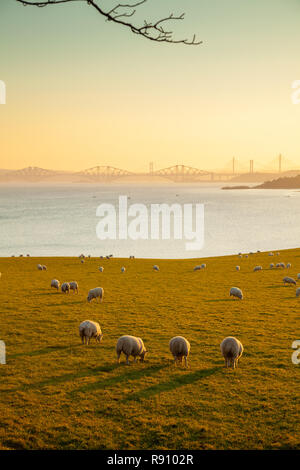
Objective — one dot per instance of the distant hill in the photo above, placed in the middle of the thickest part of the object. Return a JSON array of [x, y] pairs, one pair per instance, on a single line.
[[292, 182]]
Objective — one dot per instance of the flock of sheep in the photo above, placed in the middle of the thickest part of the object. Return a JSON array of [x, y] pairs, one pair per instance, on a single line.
[[231, 348]]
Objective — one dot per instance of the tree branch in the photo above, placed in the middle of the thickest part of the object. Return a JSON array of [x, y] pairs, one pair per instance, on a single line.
[[120, 13]]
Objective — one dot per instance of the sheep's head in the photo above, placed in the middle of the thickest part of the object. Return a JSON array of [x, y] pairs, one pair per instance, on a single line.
[[99, 338], [143, 354]]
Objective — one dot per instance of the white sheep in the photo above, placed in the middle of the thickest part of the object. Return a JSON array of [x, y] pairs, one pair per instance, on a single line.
[[298, 292], [282, 265], [96, 293], [231, 349], [298, 276], [203, 266], [44, 268], [55, 283], [40, 267], [246, 256], [89, 329], [271, 265], [101, 269], [65, 288], [155, 267], [271, 254], [73, 286], [123, 269], [289, 265], [180, 347], [130, 346], [289, 280], [257, 268], [236, 292], [278, 265], [237, 268], [278, 254], [82, 261], [240, 256], [197, 268]]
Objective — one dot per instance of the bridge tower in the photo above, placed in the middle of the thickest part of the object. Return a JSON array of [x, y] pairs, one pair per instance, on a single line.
[[279, 163], [151, 168], [251, 166]]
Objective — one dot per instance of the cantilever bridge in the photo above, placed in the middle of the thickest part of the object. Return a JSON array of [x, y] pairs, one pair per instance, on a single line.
[[176, 173]]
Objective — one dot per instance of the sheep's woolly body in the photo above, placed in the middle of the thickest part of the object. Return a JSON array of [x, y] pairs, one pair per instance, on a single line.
[[96, 293], [179, 347], [65, 287], [73, 286], [289, 280], [55, 283], [232, 349], [89, 329], [236, 292], [130, 346]]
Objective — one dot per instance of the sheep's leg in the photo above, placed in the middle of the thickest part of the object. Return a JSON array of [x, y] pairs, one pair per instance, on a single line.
[[134, 360], [185, 361], [82, 339], [118, 358], [127, 360]]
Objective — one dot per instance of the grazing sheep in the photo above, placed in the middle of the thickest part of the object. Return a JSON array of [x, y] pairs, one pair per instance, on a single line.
[[89, 329], [240, 256], [203, 266], [278, 265], [278, 254], [257, 268], [231, 349], [271, 254], [44, 268], [82, 261], [298, 276], [289, 265], [282, 265], [237, 268], [65, 288], [101, 269], [236, 292], [298, 292], [130, 346], [271, 265], [246, 256], [131, 257], [289, 280], [180, 347], [155, 267], [197, 268], [73, 286], [123, 269], [55, 283], [40, 267], [96, 293]]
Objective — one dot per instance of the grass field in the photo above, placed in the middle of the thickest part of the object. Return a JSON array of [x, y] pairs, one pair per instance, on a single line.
[[57, 393]]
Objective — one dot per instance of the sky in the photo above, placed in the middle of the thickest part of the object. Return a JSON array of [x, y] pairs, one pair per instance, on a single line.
[[83, 92]]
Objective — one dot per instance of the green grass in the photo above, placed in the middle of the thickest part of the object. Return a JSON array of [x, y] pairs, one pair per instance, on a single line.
[[57, 393]]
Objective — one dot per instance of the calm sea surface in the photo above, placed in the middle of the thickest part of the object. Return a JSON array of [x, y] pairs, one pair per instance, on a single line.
[[50, 220]]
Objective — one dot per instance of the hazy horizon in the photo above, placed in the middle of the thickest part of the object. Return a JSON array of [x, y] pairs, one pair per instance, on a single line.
[[82, 92]]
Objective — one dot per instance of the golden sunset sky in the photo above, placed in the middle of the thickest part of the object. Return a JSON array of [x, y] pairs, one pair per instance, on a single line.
[[83, 92]]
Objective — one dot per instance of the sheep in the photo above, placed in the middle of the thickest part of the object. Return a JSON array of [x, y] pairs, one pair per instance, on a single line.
[[246, 256], [257, 268], [131, 257], [40, 267], [180, 347], [278, 265], [65, 288], [89, 329], [130, 346], [82, 261], [155, 267], [236, 292], [298, 292], [73, 286], [203, 266], [101, 269], [298, 276], [231, 349], [123, 269], [44, 268], [237, 268], [289, 265], [278, 254], [55, 283], [96, 293], [282, 265], [271, 254], [289, 280], [197, 268], [240, 256]]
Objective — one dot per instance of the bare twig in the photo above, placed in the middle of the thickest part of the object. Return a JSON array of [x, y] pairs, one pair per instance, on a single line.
[[118, 14]]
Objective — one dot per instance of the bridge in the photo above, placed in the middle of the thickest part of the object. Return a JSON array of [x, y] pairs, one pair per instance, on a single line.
[[103, 173]]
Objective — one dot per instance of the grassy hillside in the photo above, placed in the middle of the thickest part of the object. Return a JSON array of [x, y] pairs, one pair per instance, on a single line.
[[57, 393]]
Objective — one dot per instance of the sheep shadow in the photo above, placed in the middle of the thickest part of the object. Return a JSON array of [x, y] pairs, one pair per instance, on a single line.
[[131, 374], [174, 383], [221, 300], [64, 378], [46, 350]]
